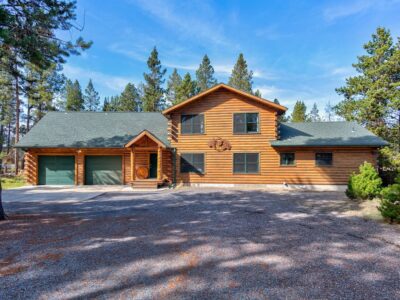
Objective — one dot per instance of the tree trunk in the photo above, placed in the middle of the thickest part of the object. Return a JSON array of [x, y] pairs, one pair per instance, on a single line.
[[1, 146], [9, 138], [2, 213], [28, 118], [17, 106], [398, 133]]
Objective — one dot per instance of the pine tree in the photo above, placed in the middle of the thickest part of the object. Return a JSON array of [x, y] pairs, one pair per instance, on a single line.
[[241, 78], [74, 97], [257, 93], [186, 89], [91, 98], [153, 91], [372, 97], [329, 111], [29, 34], [128, 101], [314, 114], [205, 75], [299, 112], [282, 117], [106, 104], [174, 81]]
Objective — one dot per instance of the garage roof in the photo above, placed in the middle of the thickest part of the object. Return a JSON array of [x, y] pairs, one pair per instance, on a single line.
[[93, 129], [326, 134]]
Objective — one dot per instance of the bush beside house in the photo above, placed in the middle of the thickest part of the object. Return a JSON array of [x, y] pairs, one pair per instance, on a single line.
[[368, 185], [390, 202], [364, 185]]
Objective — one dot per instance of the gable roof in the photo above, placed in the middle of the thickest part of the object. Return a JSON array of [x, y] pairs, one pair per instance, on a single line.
[[229, 88], [93, 129], [326, 134], [149, 135]]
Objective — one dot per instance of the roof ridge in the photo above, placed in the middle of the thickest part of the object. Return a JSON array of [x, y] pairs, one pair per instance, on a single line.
[[319, 122], [104, 112]]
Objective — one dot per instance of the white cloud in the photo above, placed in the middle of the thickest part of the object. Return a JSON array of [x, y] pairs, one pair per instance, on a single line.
[[269, 92], [114, 83], [137, 54], [349, 8], [193, 19]]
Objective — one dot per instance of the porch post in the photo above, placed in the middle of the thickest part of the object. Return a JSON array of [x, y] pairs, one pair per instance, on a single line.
[[133, 164], [159, 164]]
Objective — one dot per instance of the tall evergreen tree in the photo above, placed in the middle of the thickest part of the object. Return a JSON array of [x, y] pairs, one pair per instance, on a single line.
[[74, 97], [241, 78], [29, 35], [257, 93], [106, 104], [91, 98], [186, 89], [42, 87], [174, 81], [128, 101], [299, 112], [329, 112], [314, 114], [282, 117], [153, 91], [372, 98], [205, 75]]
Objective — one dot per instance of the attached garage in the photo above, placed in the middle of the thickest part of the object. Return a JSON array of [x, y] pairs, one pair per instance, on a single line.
[[56, 170], [103, 169]]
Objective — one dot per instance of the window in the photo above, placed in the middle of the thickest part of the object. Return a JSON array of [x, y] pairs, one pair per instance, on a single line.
[[192, 163], [245, 122], [246, 163], [192, 124], [323, 159], [287, 159]]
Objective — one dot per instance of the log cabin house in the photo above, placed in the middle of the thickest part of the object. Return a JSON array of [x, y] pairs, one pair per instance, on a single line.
[[221, 137]]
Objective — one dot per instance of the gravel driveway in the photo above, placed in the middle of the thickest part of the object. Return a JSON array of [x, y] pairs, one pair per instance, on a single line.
[[196, 244]]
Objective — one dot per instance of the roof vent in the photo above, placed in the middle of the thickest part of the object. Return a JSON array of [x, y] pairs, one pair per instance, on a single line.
[[353, 129]]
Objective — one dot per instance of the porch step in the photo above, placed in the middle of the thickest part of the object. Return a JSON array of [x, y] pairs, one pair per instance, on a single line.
[[144, 184]]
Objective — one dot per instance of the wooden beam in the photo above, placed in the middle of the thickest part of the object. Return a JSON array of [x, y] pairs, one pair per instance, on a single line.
[[133, 165], [159, 164]]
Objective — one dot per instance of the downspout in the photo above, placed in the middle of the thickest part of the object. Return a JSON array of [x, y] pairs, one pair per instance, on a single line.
[[173, 167]]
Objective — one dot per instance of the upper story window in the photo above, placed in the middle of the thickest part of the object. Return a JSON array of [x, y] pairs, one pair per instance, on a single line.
[[192, 124], [245, 123], [323, 159]]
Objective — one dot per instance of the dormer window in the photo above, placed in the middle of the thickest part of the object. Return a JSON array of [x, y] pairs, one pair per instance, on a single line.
[[244, 123], [192, 124]]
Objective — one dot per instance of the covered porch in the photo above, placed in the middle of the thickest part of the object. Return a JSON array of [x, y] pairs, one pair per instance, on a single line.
[[149, 161]]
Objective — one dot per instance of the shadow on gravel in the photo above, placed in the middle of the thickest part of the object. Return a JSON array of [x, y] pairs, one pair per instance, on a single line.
[[195, 244]]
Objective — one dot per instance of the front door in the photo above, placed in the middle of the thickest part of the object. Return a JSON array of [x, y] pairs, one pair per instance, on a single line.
[[153, 165]]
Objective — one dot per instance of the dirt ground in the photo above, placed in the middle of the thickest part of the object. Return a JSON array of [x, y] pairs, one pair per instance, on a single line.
[[194, 244]]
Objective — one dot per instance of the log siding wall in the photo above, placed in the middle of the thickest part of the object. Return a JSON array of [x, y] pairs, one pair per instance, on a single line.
[[142, 159], [218, 109]]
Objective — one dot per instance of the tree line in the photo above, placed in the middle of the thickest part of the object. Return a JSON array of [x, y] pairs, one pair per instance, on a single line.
[[153, 94]]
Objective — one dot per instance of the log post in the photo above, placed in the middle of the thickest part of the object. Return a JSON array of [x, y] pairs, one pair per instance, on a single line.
[[133, 164], [159, 164]]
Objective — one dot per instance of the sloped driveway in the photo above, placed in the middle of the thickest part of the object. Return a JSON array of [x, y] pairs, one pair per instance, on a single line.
[[194, 244]]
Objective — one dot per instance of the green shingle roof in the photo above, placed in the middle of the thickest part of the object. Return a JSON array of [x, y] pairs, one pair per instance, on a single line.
[[326, 134], [93, 129]]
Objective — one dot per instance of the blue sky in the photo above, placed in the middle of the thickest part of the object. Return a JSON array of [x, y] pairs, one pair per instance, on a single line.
[[298, 50]]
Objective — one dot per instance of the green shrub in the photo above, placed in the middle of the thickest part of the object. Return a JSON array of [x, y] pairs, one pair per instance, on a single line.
[[390, 201], [364, 185]]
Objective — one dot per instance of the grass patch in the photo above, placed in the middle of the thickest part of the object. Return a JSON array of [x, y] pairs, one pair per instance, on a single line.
[[368, 210], [12, 182]]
